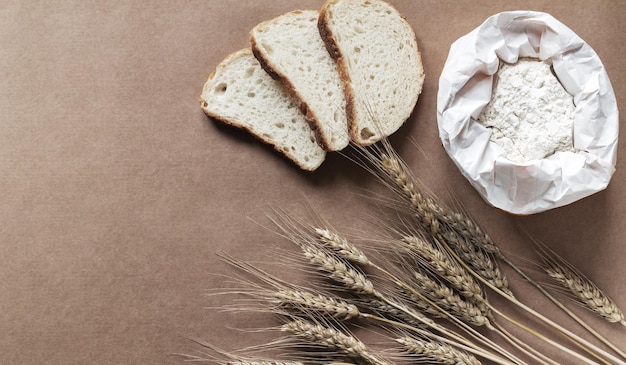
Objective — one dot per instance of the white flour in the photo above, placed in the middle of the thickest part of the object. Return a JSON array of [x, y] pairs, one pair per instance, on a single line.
[[530, 113]]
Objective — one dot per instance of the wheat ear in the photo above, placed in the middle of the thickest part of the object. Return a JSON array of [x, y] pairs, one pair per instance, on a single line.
[[331, 338], [440, 263], [582, 290], [436, 352], [381, 308], [394, 172], [433, 217], [338, 270], [551, 258], [340, 245], [284, 296], [319, 303], [446, 299], [586, 292], [483, 263], [357, 282]]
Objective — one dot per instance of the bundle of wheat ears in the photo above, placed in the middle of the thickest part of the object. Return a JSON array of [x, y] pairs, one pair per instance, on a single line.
[[425, 285]]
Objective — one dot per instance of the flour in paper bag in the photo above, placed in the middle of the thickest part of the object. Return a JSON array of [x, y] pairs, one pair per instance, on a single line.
[[530, 113]]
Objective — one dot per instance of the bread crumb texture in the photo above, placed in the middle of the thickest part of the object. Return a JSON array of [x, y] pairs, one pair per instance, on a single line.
[[242, 94], [382, 64], [530, 114], [291, 47]]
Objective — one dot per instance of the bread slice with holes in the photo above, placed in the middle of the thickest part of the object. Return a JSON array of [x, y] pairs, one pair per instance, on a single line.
[[240, 93], [289, 48], [379, 62]]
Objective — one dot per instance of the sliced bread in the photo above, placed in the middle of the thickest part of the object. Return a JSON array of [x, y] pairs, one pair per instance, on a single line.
[[379, 62], [290, 49], [240, 93]]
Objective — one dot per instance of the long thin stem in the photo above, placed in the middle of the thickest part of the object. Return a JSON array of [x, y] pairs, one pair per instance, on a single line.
[[522, 346], [461, 344], [559, 304], [566, 333], [546, 339], [472, 332]]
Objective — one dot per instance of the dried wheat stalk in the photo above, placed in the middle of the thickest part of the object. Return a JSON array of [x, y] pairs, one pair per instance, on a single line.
[[440, 262], [446, 299], [586, 293], [433, 217], [319, 303], [338, 270], [338, 244], [331, 338], [453, 253], [439, 353]]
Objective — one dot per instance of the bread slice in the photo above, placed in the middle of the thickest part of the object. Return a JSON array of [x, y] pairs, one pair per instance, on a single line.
[[379, 62], [240, 93], [290, 48]]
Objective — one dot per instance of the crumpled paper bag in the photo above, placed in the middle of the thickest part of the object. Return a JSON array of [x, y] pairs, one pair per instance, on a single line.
[[465, 87]]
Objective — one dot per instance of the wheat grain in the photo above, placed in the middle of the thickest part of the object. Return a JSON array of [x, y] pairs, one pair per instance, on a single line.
[[340, 245], [480, 261], [446, 299], [338, 270], [399, 176], [323, 304], [437, 352], [441, 223], [406, 315], [443, 265], [332, 339], [586, 293]]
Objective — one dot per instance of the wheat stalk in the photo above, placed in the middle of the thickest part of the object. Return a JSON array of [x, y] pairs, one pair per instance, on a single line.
[[586, 293], [480, 261], [436, 352], [338, 270], [474, 253], [434, 218], [338, 244], [331, 338], [222, 357], [382, 308], [439, 262], [446, 299], [308, 301]]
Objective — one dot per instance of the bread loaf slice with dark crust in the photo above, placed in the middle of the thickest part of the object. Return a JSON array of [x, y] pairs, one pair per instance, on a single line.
[[379, 63], [240, 93], [289, 48]]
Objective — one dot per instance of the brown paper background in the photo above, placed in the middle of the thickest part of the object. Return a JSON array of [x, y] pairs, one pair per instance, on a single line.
[[116, 192]]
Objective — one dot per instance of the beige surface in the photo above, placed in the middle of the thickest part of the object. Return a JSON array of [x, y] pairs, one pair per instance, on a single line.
[[116, 191]]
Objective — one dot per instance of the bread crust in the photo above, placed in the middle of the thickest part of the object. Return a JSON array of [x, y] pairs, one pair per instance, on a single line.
[[342, 64], [309, 115], [326, 133], [334, 51]]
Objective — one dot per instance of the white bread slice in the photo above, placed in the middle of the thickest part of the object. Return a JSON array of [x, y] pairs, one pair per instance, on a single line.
[[240, 93], [289, 48], [379, 62]]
